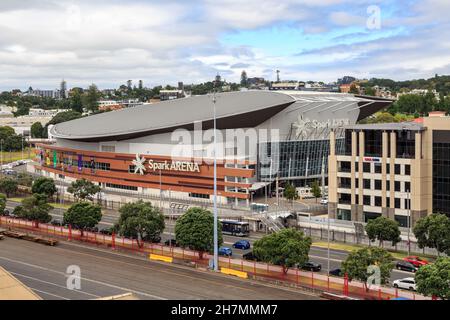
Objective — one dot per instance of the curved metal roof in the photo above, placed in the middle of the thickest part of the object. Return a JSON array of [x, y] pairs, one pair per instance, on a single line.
[[234, 110], [169, 114]]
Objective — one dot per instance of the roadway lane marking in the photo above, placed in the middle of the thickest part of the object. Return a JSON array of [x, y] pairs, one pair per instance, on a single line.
[[49, 294], [54, 284], [86, 279], [182, 268]]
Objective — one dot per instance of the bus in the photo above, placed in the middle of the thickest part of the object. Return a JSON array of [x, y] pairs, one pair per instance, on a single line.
[[235, 228]]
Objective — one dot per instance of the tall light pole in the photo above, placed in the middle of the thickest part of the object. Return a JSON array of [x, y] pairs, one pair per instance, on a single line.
[[160, 189], [216, 237], [408, 201], [1, 151], [22, 147]]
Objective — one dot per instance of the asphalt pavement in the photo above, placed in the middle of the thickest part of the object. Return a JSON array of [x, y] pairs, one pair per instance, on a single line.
[[105, 273], [318, 255]]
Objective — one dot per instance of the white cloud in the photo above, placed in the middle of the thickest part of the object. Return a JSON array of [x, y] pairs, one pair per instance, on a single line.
[[108, 42]]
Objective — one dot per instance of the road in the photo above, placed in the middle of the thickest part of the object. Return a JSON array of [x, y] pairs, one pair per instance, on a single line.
[[105, 273], [316, 254]]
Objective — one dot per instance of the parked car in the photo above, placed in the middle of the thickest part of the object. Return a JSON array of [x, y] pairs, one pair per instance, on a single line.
[[324, 201], [312, 266], [406, 283], [171, 243], [9, 172], [249, 256], [336, 272], [225, 251], [406, 266], [5, 213], [242, 244], [416, 261], [156, 239]]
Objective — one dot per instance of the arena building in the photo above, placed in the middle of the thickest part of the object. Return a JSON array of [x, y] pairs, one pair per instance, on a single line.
[[132, 150]]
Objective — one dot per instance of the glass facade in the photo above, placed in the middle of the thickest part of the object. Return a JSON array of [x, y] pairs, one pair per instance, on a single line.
[[441, 172], [406, 144], [294, 160]]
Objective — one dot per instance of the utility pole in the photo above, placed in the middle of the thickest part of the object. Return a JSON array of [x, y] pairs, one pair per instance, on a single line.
[[1, 151]]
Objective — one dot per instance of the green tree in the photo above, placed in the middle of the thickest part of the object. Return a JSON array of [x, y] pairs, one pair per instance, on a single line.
[[433, 231], [290, 192], [353, 89], [14, 143], [369, 91], [43, 185], [244, 79], [83, 189], [25, 179], [286, 248], [357, 264], [382, 229], [434, 279], [6, 132], [37, 130], [8, 186], [2, 203], [141, 221], [34, 208], [91, 98], [83, 215], [195, 229], [315, 189], [76, 101]]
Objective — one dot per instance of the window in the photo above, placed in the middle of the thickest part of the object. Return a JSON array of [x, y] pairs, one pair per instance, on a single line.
[[388, 185], [108, 149], [378, 167], [397, 169], [356, 166], [407, 186], [345, 166], [388, 168], [388, 202], [366, 184], [343, 214], [366, 167], [407, 170], [199, 195], [407, 203], [122, 187], [378, 202], [366, 200], [397, 186], [377, 184], [397, 203], [356, 183]]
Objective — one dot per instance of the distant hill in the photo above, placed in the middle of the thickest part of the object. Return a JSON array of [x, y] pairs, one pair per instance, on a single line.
[[440, 83]]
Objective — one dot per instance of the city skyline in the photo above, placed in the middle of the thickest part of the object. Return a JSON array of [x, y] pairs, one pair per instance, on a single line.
[[163, 43]]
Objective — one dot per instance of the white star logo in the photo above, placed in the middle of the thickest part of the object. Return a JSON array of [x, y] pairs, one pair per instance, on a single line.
[[139, 165]]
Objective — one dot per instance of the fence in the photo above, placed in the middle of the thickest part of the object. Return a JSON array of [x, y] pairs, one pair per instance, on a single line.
[[352, 238], [292, 277]]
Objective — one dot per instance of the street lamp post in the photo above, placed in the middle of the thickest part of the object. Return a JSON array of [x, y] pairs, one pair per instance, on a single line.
[[1, 152], [409, 219], [216, 237]]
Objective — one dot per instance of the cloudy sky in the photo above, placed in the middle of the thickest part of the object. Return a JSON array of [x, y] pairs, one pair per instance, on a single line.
[[107, 42]]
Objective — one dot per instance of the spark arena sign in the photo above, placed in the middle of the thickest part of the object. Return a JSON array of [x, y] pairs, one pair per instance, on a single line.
[[183, 166], [174, 166]]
